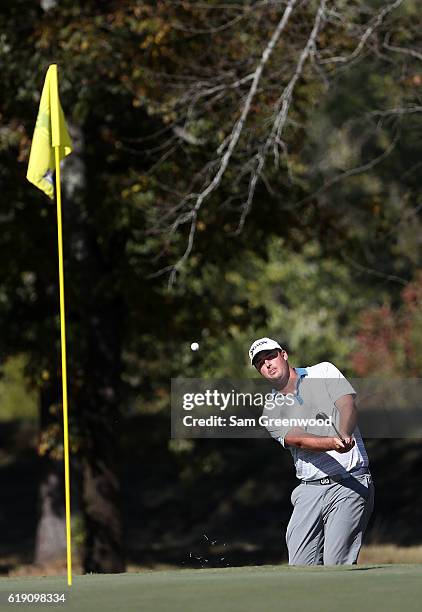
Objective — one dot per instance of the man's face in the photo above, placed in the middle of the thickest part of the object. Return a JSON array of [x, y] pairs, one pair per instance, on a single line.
[[273, 365]]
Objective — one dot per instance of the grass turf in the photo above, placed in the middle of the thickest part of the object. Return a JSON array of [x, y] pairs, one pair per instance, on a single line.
[[238, 589]]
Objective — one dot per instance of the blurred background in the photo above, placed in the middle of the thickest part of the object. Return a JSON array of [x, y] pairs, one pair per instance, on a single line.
[[239, 169]]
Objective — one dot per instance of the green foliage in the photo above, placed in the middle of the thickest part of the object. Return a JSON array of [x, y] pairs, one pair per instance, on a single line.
[[124, 71], [308, 302], [17, 401], [334, 227]]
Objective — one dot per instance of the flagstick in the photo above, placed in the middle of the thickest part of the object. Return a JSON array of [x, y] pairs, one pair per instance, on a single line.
[[64, 370]]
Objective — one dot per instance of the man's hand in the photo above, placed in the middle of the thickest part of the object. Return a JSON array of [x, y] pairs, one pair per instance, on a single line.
[[343, 447]]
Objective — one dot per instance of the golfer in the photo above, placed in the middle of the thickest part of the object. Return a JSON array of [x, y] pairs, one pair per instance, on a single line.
[[335, 497]]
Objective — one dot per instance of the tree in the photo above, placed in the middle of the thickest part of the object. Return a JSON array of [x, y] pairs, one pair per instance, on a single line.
[[178, 110], [390, 337]]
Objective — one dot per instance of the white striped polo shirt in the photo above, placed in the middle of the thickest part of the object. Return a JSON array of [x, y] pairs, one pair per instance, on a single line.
[[319, 396]]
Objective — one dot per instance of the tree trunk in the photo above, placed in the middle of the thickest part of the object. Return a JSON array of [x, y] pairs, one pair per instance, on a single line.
[[50, 538], [95, 350], [101, 411], [103, 544]]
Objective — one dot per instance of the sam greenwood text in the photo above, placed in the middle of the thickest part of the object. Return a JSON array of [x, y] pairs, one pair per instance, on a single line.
[[264, 421]]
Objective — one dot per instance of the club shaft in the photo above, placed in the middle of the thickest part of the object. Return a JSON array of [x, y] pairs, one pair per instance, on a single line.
[[338, 433], [324, 416]]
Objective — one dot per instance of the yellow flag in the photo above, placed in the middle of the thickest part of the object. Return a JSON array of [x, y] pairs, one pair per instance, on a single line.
[[50, 131]]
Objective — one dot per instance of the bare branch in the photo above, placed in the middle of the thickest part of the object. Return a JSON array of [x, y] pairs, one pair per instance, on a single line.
[[283, 105], [215, 29], [376, 22], [196, 96], [234, 138], [183, 134], [215, 7], [403, 50], [351, 172], [203, 93], [373, 271], [404, 110]]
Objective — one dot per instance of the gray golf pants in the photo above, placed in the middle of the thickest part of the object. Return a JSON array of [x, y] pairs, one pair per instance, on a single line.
[[328, 521]]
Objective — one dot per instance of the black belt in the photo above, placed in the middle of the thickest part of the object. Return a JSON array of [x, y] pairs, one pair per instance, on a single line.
[[336, 478]]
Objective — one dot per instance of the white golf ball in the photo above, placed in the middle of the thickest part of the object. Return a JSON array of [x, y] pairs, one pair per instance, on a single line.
[[194, 346]]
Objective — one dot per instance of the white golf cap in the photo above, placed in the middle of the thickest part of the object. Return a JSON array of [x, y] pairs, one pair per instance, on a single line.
[[263, 344]]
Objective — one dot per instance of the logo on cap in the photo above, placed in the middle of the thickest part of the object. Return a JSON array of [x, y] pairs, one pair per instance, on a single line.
[[255, 346], [262, 344]]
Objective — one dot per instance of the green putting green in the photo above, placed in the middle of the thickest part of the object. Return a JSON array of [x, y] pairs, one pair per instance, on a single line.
[[239, 589]]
